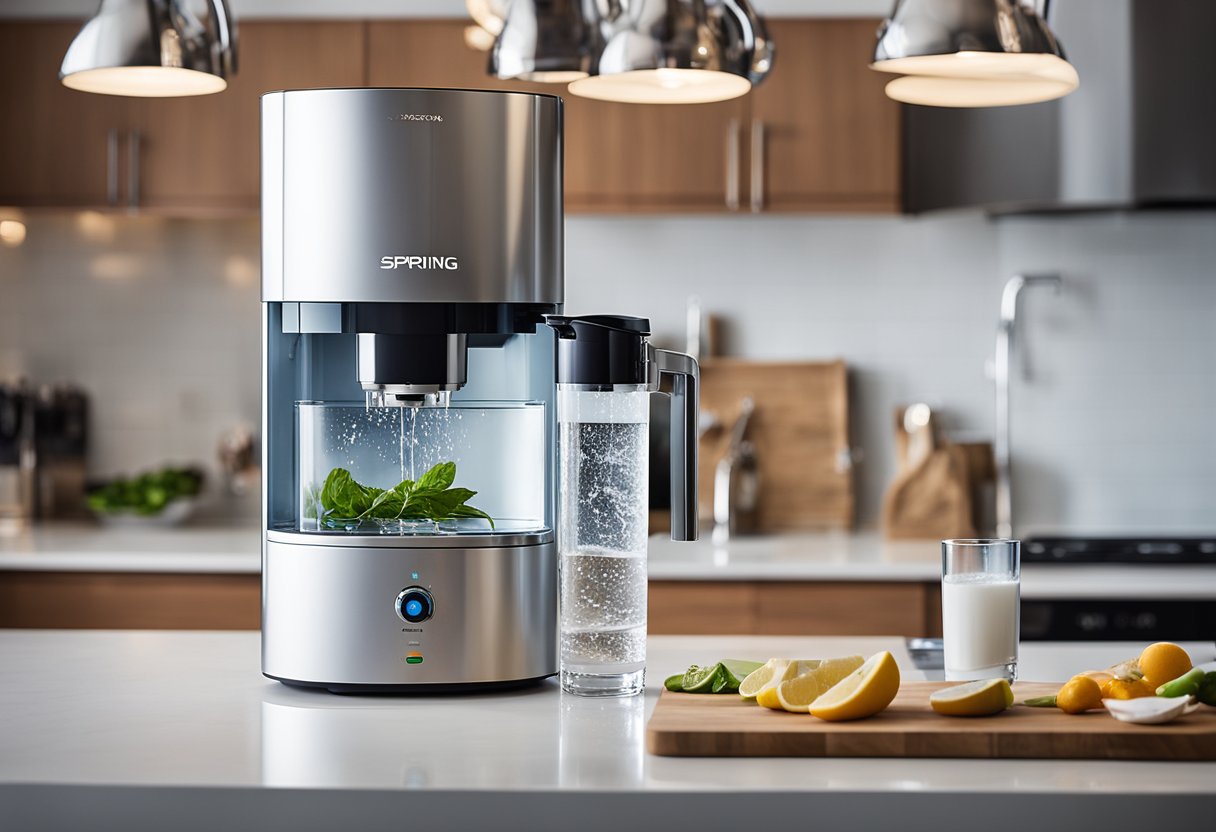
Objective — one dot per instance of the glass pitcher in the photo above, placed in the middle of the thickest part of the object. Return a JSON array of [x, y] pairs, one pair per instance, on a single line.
[[606, 373]]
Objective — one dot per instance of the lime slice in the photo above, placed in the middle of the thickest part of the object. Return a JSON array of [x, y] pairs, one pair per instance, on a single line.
[[983, 698], [736, 670], [674, 683], [699, 679]]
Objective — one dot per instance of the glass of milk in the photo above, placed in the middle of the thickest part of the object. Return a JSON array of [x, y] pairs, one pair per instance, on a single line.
[[981, 602]]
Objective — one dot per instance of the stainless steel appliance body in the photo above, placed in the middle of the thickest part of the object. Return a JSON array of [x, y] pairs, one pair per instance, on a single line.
[[412, 242]]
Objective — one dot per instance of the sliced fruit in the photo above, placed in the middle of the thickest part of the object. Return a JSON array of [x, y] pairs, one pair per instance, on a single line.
[[766, 675], [1099, 676], [866, 691], [1080, 694], [739, 669], [768, 695], [1127, 670], [797, 694], [1163, 662], [983, 698], [699, 679], [675, 683], [1124, 689]]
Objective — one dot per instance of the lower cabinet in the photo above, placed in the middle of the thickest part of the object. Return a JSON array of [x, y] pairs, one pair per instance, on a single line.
[[794, 608], [176, 601], [130, 601]]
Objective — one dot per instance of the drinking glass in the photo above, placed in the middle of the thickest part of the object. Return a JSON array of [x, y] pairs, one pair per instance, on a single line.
[[981, 593]]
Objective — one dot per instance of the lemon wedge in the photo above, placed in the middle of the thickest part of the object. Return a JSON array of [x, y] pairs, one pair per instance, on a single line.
[[866, 691], [772, 673], [797, 694], [983, 698]]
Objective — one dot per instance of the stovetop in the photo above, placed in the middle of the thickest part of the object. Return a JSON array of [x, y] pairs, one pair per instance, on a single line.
[[1131, 550]]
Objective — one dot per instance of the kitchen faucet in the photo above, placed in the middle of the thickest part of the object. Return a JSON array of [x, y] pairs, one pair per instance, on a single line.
[[1004, 347]]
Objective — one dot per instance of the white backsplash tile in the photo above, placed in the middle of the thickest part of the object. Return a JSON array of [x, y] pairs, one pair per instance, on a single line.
[[159, 320]]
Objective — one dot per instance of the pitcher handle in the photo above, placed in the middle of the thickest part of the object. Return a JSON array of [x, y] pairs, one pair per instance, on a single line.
[[685, 405]]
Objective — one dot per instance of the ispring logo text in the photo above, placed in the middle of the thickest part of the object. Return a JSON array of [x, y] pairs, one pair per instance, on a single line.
[[415, 261]]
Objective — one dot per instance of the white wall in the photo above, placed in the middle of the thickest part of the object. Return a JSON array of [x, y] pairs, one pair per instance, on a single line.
[[159, 320], [1116, 429], [910, 304]]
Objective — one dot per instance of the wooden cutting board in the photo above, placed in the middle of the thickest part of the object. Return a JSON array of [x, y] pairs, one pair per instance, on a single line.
[[800, 429], [704, 725]]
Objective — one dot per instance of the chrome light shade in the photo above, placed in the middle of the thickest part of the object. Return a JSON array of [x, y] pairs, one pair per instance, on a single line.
[[677, 51], [542, 40], [152, 48], [971, 53]]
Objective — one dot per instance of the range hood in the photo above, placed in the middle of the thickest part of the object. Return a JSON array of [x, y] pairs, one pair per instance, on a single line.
[[1138, 133]]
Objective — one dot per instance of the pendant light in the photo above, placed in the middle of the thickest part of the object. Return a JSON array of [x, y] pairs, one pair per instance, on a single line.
[[676, 51], [972, 53], [542, 40], [152, 48]]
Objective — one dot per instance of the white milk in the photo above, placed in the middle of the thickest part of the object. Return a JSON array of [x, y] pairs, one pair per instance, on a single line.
[[979, 626]]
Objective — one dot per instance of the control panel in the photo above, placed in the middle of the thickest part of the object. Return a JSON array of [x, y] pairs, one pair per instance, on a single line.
[[415, 605]]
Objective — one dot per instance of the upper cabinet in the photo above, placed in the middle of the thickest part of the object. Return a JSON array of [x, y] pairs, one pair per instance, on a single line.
[[57, 146], [817, 136], [619, 157], [60, 147], [204, 152], [823, 135]]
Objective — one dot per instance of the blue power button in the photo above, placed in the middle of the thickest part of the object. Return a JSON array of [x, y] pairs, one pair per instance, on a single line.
[[415, 605]]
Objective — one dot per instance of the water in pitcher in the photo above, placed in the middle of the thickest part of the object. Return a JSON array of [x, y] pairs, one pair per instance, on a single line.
[[602, 544]]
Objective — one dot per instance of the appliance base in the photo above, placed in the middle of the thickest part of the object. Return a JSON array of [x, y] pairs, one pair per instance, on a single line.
[[397, 616], [416, 690]]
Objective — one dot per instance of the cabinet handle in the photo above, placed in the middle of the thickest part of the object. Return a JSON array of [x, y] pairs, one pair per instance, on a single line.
[[133, 150], [112, 167], [732, 165], [757, 177]]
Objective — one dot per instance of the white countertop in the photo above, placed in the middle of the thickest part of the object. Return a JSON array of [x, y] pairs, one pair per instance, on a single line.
[[87, 547], [105, 722], [866, 556], [827, 556]]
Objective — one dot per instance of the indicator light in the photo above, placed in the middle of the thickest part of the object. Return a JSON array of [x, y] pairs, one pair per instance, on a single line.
[[413, 658]]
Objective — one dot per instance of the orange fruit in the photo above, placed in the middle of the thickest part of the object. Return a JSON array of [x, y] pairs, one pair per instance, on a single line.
[[1163, 662], [1079, 694], [1123, 689]]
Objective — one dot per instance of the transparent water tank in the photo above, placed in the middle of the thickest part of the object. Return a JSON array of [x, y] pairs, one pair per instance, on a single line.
[[498, 449]]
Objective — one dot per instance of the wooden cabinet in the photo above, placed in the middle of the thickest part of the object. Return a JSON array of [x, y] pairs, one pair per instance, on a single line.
[[204, 152], [176, 601], [130, 601], [818, 135], [59, 147], [794, 608], [823, 135]]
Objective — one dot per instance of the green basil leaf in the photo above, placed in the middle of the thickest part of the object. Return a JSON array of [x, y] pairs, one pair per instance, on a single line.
[[440, 476]]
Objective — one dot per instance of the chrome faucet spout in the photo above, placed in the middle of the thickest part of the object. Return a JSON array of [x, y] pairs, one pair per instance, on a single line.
[[1001, 373]]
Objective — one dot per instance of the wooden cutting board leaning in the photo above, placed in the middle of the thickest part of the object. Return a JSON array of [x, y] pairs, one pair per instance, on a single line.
[[707, 725], [800, 433]]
